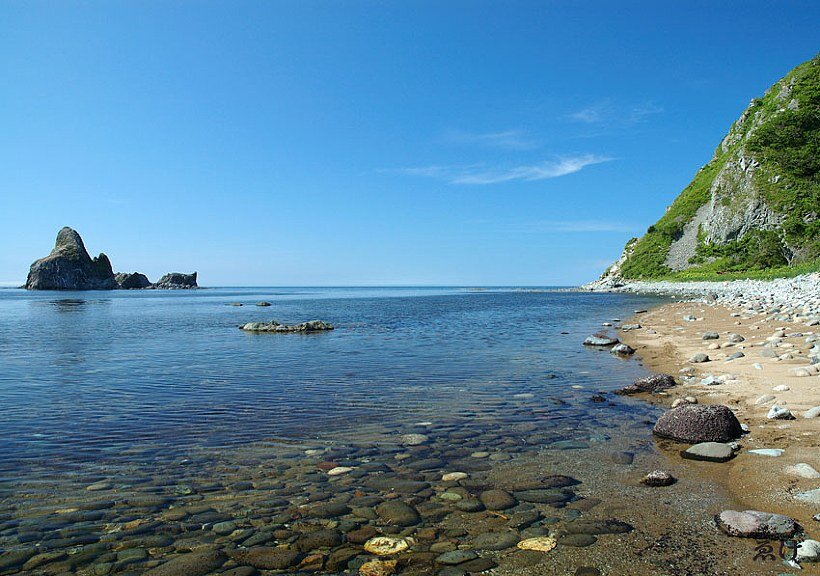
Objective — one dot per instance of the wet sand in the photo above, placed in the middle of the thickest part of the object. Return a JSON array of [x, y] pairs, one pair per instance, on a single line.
[[666, 343]]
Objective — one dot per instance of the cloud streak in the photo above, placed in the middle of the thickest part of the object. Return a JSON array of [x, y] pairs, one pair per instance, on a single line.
[[605, 113], [479, 174], [506, 140]]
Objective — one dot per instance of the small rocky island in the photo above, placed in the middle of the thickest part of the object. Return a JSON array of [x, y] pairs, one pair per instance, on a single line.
[[69, 267], [273, 326]]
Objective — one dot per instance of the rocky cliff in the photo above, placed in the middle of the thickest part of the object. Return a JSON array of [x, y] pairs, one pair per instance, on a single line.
[[755, 205], [69, 267]]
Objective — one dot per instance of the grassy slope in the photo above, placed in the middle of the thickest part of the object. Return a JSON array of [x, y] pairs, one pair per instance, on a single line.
[[787, 144]]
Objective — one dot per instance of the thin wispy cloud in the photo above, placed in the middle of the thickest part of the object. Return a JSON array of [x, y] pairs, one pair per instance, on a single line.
[[605, 113], [505, 140], [479, 174]]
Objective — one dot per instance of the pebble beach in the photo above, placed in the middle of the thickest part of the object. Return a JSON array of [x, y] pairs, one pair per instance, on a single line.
[[752, 346]]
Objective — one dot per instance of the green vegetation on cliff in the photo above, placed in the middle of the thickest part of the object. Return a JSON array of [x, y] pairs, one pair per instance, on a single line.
[[766, 170]]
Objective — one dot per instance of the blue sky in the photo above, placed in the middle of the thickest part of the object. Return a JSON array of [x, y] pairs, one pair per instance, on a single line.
[[369, 143]]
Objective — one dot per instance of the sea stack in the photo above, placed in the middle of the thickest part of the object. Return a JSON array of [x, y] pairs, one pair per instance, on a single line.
[[69, 267], [176, 281]]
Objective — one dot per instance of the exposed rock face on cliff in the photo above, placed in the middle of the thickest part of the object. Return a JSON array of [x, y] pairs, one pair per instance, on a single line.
[[132, 280], [176, 281], [755, 205], [69, 267]]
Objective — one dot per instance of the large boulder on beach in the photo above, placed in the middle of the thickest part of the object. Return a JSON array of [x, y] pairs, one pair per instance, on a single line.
[[755, 524], [69, 267], [648, 384], [132, 280], [176, 281], [694, 423]]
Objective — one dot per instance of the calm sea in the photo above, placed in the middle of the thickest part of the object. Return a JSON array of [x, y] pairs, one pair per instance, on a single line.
[[85, 375]]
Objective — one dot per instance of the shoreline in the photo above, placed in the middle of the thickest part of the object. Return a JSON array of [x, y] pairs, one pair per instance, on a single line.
[[778, 323]]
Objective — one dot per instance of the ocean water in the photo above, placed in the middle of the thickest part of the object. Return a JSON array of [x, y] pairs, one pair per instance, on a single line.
[[86, 375], [141, 426]]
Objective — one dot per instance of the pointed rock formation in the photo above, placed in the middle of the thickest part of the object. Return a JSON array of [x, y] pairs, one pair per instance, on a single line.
[[69, 267]]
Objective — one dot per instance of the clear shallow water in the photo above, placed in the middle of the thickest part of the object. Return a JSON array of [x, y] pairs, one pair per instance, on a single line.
[[141, 426], [89, 374]]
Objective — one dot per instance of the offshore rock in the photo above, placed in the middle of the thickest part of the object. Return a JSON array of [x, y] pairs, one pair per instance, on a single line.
[[132, 280], [273, 326], [176, 281], [69, 267]]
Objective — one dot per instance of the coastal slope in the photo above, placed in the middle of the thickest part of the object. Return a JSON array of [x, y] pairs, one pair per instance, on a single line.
[[754, 206]]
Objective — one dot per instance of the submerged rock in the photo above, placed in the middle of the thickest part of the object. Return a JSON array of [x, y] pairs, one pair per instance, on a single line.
[[176, 281], [273, 326], [190, 564], [69, 267], [755, 524], [694, 423], [658, 478]]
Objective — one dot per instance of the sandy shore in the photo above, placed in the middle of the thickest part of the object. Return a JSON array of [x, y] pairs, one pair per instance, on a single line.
[[670, 335]]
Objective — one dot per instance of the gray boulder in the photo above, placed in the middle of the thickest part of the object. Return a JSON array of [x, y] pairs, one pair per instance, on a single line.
[[132, 280], [755, 524], [600, 339], [176, 281], [709, 452], [694, 423], [69, 267]]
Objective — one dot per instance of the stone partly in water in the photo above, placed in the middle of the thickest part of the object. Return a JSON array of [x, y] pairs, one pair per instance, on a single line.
[[69, 267], [276, 327], [709, 452], [755, 524], [650, 384], [600, 339], [176, 281], [694, 423], [658, 478], [622, 350], [132, 281]]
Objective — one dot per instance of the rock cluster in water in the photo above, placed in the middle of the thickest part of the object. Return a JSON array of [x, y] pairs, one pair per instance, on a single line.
[[274, 326], [69, 267]]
